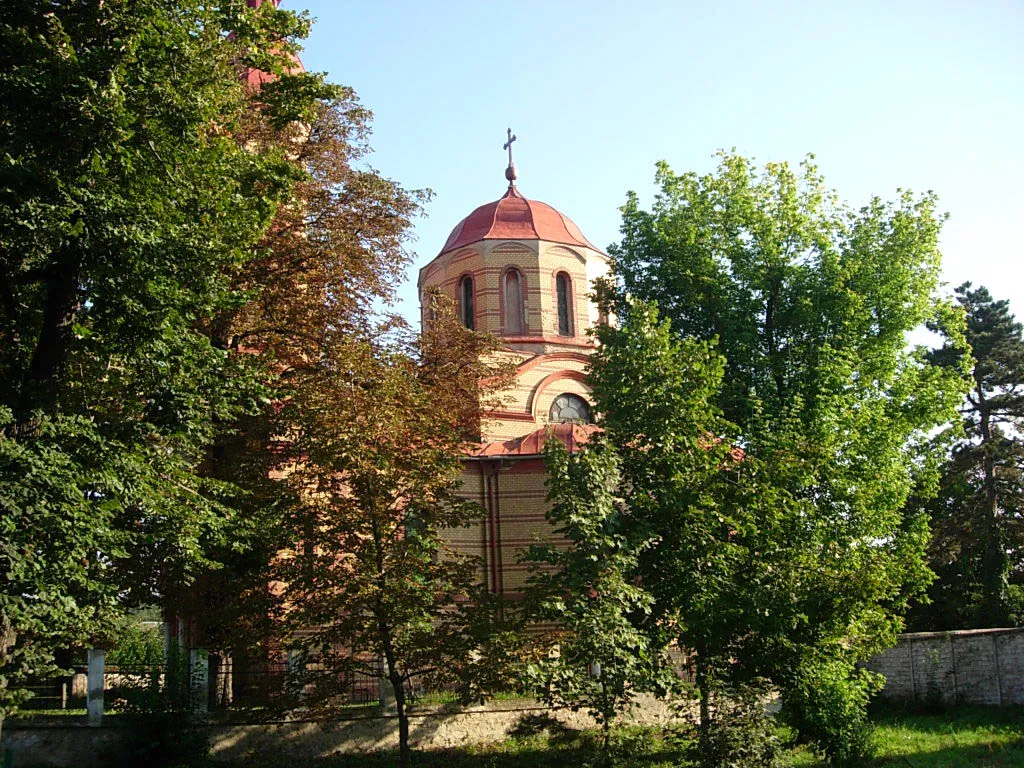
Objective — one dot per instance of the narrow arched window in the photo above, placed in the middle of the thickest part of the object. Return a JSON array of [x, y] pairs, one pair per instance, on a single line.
[[466, 302], [564, 296], [514, 321]]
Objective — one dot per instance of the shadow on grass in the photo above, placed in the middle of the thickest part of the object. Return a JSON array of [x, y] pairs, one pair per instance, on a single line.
[[975, 756], [539, 742], [923, 718]]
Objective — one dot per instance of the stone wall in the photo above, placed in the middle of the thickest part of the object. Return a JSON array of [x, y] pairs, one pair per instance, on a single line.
[[299, 741], [980, 666]]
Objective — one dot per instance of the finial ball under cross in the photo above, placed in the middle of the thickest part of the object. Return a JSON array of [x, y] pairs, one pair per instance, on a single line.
[[510, 172]]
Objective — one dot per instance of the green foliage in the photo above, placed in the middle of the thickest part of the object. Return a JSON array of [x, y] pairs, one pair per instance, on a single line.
[[136, 645], [599, 659], [743, 734], [978, 545], [126, 204], [828, 706], [795, 554]]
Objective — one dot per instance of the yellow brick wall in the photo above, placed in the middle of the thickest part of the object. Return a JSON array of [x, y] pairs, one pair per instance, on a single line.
[[510, 526]]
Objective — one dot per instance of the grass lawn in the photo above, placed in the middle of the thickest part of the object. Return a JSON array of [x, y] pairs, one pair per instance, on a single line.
[[967, 736], [962, 738]]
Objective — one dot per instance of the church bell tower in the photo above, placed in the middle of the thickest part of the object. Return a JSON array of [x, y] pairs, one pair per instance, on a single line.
[[521, 270]]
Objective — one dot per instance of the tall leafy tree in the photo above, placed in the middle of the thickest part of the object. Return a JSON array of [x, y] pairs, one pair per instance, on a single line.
[[713, 544], [331, 257], [370, 582], [978, 517], [125, 205], [809, 303], [588, 591]]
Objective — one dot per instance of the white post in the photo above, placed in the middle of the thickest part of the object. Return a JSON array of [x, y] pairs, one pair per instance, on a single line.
[[94, 690], [295, 664], [385, 692], [199, 680]]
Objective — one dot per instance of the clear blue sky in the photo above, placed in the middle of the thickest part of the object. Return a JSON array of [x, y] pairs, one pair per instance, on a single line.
[[918, 95]]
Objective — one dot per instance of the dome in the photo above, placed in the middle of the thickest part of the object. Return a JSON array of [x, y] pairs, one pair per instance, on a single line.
[[513, 217]]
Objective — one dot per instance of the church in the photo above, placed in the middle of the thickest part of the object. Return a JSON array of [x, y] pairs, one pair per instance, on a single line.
[[521, 270]]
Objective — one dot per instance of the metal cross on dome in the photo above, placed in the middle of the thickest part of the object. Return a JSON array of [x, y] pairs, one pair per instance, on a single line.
[[510, 172]]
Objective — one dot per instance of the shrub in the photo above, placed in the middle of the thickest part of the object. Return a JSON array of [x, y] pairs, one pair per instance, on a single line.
[[742, 733], [828, 706]]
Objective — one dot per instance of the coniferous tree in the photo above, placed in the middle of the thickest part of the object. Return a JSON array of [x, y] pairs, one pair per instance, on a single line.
[[977, 548]]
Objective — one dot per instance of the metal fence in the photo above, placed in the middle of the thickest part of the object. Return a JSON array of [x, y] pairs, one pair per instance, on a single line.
[[197, 681]]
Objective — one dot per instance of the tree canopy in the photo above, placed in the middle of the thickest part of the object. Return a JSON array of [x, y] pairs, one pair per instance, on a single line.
[[807, 303], [126, 205]]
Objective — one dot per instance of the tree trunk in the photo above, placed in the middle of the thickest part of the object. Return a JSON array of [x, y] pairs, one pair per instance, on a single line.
[[704, 728], [8, 639], [606, 726], [40, 382], [398, 688]]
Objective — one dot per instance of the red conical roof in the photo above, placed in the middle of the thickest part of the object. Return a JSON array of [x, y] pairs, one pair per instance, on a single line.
[[513, 217]]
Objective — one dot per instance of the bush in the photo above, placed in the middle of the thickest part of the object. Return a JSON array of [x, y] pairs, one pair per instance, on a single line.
[[136, 645], [742, 732], [829, 707]]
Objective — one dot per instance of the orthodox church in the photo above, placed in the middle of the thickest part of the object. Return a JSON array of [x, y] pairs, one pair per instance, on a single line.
[[521, 270]]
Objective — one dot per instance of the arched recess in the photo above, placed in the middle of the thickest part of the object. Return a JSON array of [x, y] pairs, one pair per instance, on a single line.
[[512, 302], [561, 250], [547, 382], [508, 247], [467, 301]]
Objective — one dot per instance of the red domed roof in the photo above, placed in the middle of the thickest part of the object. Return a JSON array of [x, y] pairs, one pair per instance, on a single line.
[[513, 217]]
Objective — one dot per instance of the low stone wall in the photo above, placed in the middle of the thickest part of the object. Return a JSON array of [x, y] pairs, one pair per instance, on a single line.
[[978, 666], [298, 741]]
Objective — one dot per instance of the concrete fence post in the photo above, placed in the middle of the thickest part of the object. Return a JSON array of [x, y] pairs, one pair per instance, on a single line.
[[295, 664], [94, 688], [199, 680], [384, 690], [223, 692]]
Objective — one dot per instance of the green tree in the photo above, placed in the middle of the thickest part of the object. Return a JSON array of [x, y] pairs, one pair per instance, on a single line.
[[125, 205], [715, 545], [809, 304], [977, 547], [587, 589], [370, 582]]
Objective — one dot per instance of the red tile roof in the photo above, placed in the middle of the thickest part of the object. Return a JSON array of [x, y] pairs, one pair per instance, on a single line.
[[513, 217], [572, 436]]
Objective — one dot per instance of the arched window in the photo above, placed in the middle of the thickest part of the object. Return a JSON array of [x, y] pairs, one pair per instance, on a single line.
[[563, 291], [569, 407], [514, 320], [466, 302]]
